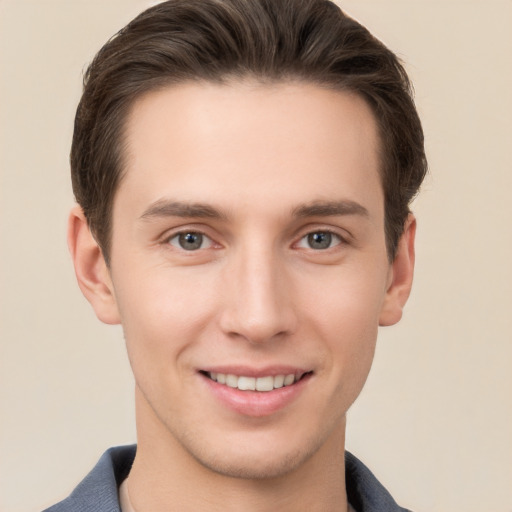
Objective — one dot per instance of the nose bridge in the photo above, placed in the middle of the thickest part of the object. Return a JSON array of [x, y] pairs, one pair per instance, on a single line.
[[258, 306]]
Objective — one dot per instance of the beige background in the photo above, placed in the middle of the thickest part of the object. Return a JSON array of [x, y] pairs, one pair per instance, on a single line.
[[435, 420]]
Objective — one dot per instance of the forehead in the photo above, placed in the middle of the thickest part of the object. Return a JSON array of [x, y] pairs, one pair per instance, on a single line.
[[247, 140]]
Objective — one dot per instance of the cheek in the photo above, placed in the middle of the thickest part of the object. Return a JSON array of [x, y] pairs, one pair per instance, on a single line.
[[348, 302], [162, 314], [352, 339], [346, 316], [351, 353]]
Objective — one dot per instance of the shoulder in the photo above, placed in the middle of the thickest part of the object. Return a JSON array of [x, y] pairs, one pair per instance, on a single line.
[[365, 493], [97, 492]]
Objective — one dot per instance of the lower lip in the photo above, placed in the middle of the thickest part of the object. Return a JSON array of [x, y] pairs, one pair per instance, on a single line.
[[256, 403]]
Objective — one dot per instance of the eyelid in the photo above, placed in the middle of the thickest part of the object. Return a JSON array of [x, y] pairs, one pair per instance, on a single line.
[[340, 240], [343, 235], [205, 240], [166, 238]]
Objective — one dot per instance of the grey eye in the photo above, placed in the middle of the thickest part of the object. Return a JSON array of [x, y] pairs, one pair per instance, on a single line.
[[190, 241], [319, 240]]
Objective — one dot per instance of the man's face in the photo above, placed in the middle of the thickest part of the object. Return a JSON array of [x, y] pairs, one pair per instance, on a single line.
[[248, 246]]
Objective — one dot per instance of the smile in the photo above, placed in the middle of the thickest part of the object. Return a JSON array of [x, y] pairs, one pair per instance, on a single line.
[[256, 393], [244, 383]]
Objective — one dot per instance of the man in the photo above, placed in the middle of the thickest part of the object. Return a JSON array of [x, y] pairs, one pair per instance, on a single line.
[[243, 171]]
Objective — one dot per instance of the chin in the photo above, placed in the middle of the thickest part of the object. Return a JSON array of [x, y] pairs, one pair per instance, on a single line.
[[254, 466], [259, 457]]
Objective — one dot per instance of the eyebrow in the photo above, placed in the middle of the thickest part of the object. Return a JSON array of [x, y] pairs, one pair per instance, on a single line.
[[166, 208], [330, 208]]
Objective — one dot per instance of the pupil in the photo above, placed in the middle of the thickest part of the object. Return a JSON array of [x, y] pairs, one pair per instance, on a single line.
[[191, 241], [319, 240]]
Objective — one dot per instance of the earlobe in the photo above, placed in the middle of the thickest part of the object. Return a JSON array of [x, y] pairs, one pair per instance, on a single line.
[[401, 275], [91, 270]]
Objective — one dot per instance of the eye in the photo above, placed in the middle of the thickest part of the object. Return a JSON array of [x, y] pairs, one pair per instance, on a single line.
[[190, 241], [319, 240]]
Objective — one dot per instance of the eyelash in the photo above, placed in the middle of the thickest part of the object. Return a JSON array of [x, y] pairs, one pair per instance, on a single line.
[[176, 236], [331, 235], [304, 239]]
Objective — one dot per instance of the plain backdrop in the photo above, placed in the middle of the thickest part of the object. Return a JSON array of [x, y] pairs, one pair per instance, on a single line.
[[435, 419]]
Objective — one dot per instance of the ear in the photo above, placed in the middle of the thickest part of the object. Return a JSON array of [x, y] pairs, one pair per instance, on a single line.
[[91, 270], [400, 276]]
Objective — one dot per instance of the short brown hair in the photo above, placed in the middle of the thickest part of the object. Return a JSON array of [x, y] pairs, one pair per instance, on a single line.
[[215, 40]]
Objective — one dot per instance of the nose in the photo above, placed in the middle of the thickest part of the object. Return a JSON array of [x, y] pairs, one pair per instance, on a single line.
[[257, 297]]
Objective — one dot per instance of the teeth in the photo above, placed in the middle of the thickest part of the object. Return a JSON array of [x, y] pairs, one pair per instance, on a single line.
[[246, 383], [289, 379], [252, 383], [279, 381], [232, 381], [265, 383]]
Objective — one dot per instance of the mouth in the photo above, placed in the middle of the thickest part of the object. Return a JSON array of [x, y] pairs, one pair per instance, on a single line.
[[256, 393], [264, 383]]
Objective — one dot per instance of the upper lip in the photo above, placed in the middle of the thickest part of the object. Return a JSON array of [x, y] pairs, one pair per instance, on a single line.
[[251, 371]]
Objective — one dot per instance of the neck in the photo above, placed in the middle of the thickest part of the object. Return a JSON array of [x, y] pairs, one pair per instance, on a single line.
[[166, 477]]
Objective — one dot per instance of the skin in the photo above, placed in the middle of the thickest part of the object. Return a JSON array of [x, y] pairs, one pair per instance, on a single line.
[[255, 295]]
